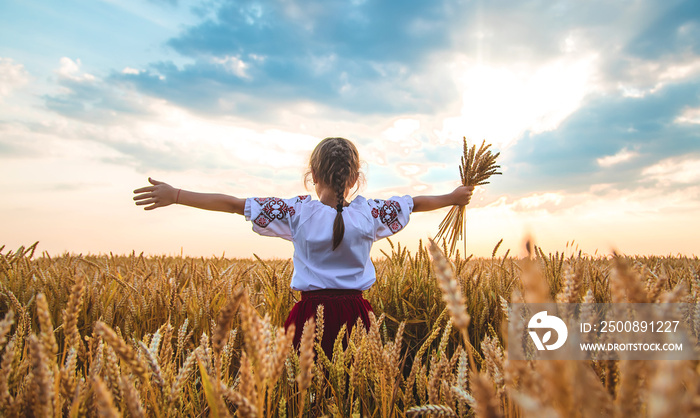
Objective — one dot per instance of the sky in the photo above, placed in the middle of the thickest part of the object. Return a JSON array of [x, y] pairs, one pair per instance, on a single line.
[[593, 105]]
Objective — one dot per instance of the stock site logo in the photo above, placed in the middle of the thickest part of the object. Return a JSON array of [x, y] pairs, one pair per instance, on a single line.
[[541, 320]]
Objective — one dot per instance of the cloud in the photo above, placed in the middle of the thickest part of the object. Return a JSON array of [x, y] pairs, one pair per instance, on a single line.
[[674, 30], [236, 84], [514, 70], [591, 144], [129, 70], [88, 98], [16, 142], [605, 199], [566, 101], [600, 219], [401, 133], [12, 76], [677, 170], [365, 57], [234, 65], [485, 71], [689, 115], [638, 45], [168, 2], [543, 201], [623, 155], [646, 77], [170, 139], [361, 30], [70, 70]]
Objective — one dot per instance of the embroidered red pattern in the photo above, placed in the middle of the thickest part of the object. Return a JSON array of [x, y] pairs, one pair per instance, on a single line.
[[272, 208], [388, 213]]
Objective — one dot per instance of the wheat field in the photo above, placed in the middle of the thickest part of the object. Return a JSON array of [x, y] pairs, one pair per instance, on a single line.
[[130, 335]]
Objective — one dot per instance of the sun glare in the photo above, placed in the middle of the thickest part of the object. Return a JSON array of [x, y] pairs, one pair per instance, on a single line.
[[501, 104]]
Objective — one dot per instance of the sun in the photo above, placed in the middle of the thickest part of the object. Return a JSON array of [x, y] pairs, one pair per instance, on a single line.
[[501, 103]]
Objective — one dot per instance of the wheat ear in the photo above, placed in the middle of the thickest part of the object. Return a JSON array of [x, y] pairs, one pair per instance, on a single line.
[[104, 400], [70, 315], [431, 411], [124, 351], [476, 167], [306, 360]]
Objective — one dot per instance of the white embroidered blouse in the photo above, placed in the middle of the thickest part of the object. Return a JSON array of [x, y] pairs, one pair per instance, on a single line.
[[308, 223]]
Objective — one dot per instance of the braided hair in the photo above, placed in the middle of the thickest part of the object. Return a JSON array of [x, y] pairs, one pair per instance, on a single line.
[[335, 162]]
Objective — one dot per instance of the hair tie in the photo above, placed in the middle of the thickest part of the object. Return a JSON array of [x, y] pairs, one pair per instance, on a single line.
[[339, 208]]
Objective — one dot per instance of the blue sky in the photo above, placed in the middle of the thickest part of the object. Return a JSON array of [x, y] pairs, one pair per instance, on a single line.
[[594, 106]]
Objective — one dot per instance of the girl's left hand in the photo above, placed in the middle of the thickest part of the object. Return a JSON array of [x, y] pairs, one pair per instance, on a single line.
[[158, 195], [462, 195]]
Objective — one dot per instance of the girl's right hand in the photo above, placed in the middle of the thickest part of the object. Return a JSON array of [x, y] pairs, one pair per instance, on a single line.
[[158, 195]]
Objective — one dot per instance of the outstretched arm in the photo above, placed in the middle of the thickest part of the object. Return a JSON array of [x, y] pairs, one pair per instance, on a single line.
[[459, 196], [162, 194]]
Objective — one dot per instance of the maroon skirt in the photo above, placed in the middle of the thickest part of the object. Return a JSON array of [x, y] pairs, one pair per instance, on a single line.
[[339, 307]]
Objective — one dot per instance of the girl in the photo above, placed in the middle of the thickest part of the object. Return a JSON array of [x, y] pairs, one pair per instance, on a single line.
[[332, 237]]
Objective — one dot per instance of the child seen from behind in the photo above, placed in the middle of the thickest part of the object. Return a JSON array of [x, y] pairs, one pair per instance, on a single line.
[[332, 237]]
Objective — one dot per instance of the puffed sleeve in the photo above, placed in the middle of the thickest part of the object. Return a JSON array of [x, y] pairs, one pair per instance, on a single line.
[[272, 216], [391, 215]]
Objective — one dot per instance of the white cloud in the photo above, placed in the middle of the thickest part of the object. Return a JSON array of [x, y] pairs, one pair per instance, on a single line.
[[346, 86], [129, 70], [648, 77], [599, 220], [234, 65], [12, 76], [71, 70], [675, 171], [543, 201], [324, 64], [410, 170], [633, 92], [690, 115], [680, 70], [623, 155], [401, 131], [226, 143]]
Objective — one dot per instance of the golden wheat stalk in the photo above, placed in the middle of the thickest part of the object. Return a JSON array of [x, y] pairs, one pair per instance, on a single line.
[[46, 326], [476, 167], [306, 354], [43, 380], [131, 397], [183, 375], [246, 384], [487, 403], [166, 349], [5, 370], [452, 295], [70, 314], [123, 350], [431, 411], [21, 312], [283, 343], [6, 326], [108, 367], [306, 360], [224, 321], [362, 379], [153, 365], [451, 292], [104, 400]]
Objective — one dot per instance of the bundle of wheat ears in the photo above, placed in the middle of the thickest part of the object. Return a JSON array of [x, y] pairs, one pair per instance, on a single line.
[[476, 167]]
